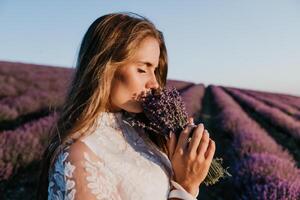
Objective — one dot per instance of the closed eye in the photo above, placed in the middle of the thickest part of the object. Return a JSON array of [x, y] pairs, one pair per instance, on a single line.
[[141, 71]]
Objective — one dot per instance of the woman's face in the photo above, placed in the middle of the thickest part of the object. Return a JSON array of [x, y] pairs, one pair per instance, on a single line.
[[135, 77]]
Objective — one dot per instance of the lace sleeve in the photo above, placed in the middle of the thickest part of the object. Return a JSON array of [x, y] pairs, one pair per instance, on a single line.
[[79, 174]]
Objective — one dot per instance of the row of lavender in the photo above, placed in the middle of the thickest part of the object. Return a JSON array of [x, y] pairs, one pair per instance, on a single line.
[[193, 97], [283, 98], [262, 169], [21, 146], [191, 93], [292, 100], [275, 101], [179, 85], [280, 119], [27, 88]]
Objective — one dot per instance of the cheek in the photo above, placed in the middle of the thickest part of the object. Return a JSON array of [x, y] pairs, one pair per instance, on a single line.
[[127, 86], [131, 81]]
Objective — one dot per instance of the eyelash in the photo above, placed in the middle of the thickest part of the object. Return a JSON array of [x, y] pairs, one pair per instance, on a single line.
[[141, 71]]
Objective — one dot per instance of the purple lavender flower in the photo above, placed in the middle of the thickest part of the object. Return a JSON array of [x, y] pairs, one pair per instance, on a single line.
[[164, 111]]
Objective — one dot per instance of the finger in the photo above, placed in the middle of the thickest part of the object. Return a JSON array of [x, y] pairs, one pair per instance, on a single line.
[[203, 143], [182, 140], [171, 145], [168, 146], [209, 154], [196, 138]]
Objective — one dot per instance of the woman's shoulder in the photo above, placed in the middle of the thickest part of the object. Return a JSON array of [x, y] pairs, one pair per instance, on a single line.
[[77, 167], [76, 153]]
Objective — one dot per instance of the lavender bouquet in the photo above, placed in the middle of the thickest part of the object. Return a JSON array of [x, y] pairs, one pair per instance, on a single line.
[[164, 111]]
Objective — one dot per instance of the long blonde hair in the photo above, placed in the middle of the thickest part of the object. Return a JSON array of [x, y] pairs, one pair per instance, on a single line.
[[110, 41]]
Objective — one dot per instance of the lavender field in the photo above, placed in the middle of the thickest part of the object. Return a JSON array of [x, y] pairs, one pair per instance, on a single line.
[[257, 133]]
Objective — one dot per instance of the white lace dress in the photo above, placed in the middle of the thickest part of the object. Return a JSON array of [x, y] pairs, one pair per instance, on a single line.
[[114, 162]]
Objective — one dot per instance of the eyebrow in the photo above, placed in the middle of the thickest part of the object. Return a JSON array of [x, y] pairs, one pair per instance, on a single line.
[[147, 63]]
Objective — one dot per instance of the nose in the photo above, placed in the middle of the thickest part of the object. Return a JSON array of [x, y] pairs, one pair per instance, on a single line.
[[152, 83]]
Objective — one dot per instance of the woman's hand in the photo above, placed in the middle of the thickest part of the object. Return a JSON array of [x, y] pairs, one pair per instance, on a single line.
[[191, 160]]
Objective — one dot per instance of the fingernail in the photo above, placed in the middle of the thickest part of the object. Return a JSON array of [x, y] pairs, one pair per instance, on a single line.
[[207, 132], [170, 134]]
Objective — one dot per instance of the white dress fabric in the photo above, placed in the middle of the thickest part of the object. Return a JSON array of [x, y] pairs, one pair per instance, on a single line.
[[116, 161]]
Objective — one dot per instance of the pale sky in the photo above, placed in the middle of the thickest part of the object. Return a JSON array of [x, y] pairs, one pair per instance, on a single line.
[[248, 44]]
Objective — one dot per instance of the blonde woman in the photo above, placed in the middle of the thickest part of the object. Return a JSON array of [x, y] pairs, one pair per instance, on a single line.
[[93, 154]]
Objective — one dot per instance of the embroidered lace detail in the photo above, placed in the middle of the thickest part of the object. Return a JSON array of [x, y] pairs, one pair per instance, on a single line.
[[61, 185], [100, 185]]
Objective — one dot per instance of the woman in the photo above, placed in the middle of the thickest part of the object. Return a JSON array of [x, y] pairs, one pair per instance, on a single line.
[[93, 154]]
